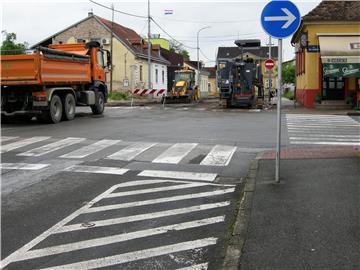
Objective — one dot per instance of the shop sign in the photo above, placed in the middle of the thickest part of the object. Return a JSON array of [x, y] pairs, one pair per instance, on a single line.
[[341, 70], [313, 48], [355, 46], [335, 60]]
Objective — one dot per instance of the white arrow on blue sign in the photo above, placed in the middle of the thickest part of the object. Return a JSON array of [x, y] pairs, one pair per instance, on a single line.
[[280, 19]]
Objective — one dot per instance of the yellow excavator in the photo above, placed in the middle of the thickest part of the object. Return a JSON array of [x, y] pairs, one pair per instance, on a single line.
[[184, 89]]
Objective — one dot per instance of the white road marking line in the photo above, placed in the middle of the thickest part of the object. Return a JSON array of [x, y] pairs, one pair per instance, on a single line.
[[22, 143], [324, 139], [175, 153], [90, 149], [131, 151], [22, 166], [136, 255], [107, 240], [326, 143], [40, 151], [160, 200], [179, 175], [202, 266], [322, 125], [153, 215], [152, 190], [307, 135], [21, 251], [220, 155], [316, 116], [7, 138], [96, 169]]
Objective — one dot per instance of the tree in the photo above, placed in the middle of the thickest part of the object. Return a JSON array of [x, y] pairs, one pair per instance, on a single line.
[[9, 46], [288, 73], [179, 48]]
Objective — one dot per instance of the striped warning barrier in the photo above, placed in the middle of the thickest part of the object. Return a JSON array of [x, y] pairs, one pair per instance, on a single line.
[[143, 92]]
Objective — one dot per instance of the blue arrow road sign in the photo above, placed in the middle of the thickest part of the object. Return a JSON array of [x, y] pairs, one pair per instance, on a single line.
[[280, 19]]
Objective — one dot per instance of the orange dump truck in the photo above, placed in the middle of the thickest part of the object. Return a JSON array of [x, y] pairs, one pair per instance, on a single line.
[[52, 81]]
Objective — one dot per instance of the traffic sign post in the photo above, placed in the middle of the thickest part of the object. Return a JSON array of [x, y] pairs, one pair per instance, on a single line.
[[280, 19]]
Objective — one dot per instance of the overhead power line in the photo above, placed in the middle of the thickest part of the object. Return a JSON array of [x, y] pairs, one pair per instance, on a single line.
[[170, 36], [206, 22], [204, 55], [119, 11]]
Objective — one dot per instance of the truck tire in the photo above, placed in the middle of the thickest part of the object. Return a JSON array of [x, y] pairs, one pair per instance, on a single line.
[[99, 106], [69, 107], [54, 114]]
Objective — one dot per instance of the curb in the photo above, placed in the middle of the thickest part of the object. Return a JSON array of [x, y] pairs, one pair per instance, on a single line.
[[238, 235]]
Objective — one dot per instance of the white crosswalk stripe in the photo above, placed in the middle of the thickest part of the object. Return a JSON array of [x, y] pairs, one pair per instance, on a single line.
[[22, 166], [91, 149], [220, 155], [175, 153], [7, 138], [130, 152], [187, 221], [96, 169], [333, 130], [179, 175], [202, 266], [15, 145], [42, 150]]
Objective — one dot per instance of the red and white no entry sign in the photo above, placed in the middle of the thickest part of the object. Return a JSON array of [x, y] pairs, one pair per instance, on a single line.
[[269, 64]]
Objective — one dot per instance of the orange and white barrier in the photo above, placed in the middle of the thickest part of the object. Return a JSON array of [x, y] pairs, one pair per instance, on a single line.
[[143, 92]]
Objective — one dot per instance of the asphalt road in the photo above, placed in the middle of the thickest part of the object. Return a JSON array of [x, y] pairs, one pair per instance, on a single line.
[[140, 188]]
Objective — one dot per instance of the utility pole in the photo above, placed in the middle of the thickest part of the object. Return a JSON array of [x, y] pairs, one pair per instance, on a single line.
[[111, 47], [269, 70], [149, 48], [198, 60]]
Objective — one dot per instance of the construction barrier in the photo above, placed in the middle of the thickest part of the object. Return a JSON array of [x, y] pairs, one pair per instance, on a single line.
[[143, 92]]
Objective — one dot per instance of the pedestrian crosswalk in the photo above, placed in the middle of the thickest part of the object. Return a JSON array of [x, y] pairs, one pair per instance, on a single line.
[[125, 214], [118, 152], [311, 129]]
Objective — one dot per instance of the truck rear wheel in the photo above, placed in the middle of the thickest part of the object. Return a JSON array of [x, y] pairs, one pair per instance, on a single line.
[[54, 114], [69, 107], [99, 106]]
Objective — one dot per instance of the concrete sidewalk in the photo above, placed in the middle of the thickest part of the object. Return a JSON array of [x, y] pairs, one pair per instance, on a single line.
[[311, 220]]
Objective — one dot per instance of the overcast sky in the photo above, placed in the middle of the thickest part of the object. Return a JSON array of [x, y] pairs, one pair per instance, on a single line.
[[33, 21]]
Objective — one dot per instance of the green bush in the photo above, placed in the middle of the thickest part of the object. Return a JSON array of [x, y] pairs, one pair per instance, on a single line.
[[318, 98], [289, 94], [118, 96]]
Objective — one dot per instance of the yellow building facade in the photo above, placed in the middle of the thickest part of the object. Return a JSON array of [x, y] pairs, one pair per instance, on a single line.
[[327, 57]]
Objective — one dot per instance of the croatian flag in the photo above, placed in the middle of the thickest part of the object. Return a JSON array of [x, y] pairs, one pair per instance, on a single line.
[[168, 11]]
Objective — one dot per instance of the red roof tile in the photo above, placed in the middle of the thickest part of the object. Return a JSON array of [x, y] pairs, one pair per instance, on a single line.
[[335, 11]]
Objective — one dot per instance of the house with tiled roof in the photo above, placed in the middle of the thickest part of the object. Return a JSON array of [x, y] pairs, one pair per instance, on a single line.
[[327, 46], [130, 52]]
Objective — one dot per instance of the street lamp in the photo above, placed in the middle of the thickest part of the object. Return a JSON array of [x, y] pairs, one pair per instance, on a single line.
[[198, 48]]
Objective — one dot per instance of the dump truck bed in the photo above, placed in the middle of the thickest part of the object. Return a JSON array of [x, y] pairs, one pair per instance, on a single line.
[[45, 67]]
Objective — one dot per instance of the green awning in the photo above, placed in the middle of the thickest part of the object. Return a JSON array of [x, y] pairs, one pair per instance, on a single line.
[[341, 70]]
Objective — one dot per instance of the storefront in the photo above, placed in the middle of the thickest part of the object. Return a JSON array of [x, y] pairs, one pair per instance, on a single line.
[[327, 50], [340, 61]]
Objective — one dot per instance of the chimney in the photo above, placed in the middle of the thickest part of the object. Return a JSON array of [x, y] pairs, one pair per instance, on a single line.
[[90, 13]]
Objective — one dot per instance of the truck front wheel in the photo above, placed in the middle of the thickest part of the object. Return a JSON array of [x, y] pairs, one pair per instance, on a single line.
[[54, 114], [99, 106], [69, 107]]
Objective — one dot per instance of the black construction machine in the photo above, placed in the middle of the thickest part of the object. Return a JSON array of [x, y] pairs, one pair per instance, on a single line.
[[240, 79]]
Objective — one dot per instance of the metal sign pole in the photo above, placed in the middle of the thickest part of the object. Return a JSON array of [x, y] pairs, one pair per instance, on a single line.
[[278, 140]]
